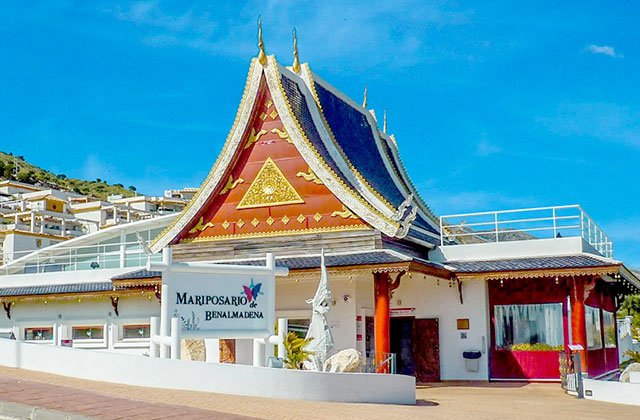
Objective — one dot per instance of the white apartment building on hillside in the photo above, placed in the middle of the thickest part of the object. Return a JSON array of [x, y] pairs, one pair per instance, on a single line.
[[33, 217]]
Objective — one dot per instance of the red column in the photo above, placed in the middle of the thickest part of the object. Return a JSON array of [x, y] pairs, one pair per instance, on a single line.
[[382, 321], [578, 324]]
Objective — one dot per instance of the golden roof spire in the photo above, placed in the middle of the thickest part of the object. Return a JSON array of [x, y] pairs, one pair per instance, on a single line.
[[384, 123], [364, 101], [262, 56], [296, 61]]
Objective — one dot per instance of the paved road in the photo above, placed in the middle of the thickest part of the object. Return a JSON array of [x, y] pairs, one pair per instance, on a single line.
[[438, 401]]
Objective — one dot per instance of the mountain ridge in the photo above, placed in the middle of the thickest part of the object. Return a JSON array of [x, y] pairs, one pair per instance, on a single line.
[[29, 173]]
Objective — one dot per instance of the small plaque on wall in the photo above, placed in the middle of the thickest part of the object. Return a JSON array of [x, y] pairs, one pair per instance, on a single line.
[[463, 324]]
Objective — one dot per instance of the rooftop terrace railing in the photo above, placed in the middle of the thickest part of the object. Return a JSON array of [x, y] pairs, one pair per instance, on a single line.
[[524, 224], [76, 258]]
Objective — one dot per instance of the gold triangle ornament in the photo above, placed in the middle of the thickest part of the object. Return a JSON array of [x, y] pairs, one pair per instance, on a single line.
[[269, 188]]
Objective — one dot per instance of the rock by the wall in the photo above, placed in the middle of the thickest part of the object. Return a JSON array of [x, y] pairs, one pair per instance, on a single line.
[[349, 360], [633, 367], [193, 350]]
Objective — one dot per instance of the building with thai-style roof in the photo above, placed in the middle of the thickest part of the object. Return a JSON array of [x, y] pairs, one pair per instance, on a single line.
[[304, 169]]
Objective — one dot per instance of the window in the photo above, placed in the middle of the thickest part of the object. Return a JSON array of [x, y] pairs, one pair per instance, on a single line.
[[529, 327], [88, 333], [299, 326], [136, 331], [594, 329], [38, 334], [609, 322]]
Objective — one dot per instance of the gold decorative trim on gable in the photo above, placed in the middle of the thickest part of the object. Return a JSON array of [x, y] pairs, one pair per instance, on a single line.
[[254, 137], [282, 134], [310, 176], [200, 226], [231, 184], [270, 188], [345, 213], [252, 235]]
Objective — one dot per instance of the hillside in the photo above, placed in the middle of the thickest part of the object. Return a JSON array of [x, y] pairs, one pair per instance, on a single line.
[[34, 175]]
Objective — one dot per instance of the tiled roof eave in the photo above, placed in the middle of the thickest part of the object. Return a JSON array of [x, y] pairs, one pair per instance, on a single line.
[[538, 273]]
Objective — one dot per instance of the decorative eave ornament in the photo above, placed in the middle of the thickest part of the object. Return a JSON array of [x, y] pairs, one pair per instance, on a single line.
[[296, 61], [262, 55]]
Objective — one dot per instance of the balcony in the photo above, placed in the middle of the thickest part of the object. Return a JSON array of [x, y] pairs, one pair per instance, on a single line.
[[524, 225], [60, 257]]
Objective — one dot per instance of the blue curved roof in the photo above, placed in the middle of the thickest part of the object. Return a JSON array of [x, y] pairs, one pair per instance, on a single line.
[[303, 115], [354, 134]]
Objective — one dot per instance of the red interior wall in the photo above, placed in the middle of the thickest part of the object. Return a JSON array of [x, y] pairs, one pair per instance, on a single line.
[[526, 365], [603, 360]]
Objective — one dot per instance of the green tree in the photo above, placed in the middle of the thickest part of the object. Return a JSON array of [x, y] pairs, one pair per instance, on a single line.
[[631, 307], [25, 177], [132, 188], [8, 170]]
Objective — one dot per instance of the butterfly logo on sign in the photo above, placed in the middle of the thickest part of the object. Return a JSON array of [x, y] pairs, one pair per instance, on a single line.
[[252, 292]]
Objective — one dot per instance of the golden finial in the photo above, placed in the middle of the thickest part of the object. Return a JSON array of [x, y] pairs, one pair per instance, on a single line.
[[262, 56], [296, 61], [384, 122], [364, 101]]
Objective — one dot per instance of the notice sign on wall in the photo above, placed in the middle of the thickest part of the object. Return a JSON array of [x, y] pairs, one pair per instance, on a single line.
[[219, 304]]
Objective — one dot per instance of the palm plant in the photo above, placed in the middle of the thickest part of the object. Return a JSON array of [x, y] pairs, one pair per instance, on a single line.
[[296, 354]]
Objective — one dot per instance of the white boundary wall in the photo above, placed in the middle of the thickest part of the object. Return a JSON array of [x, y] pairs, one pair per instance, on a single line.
[[209, 377], [612, 391]]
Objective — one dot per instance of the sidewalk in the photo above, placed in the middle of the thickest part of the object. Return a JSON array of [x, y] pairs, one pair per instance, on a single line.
[[445, 400], [11, 410], [36, 400]]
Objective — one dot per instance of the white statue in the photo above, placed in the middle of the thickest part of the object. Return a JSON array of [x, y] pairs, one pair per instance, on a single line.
[[322, 342]]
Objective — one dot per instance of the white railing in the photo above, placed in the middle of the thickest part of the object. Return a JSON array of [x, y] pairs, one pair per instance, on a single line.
[[74, 258], [524, 224]]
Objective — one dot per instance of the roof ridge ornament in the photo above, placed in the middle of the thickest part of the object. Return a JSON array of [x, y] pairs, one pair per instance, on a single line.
[[364, 100], [262, 55], [384, 123], [296, 60]]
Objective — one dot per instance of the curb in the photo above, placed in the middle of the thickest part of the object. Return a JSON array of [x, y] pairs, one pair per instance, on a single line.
[[13, 410]]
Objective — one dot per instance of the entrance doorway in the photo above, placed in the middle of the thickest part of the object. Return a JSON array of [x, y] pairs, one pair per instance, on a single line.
[[402, 344], [426, 350], [416, 344]]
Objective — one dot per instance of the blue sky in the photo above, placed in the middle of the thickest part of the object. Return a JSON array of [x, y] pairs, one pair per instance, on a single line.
[[495, 105]]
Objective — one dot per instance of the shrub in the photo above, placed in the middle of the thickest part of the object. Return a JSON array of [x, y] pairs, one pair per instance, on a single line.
[[296, 354], [535, 347], [634, 355]]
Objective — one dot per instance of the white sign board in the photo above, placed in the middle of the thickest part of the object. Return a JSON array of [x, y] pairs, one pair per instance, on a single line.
[[218, 300], [222, 305]]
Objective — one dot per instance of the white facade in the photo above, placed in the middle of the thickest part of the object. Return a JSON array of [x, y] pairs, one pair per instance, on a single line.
[[62, 316], [428, 297]]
